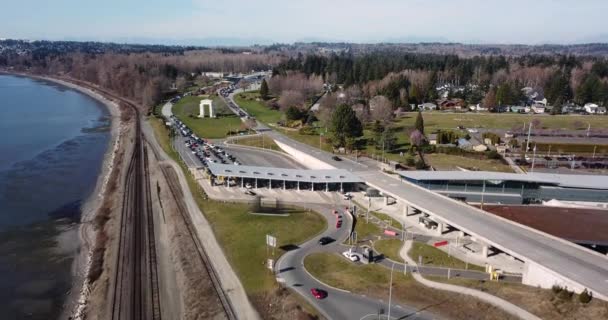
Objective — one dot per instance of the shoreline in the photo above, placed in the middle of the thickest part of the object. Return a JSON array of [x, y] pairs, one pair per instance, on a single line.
[[76, 300]]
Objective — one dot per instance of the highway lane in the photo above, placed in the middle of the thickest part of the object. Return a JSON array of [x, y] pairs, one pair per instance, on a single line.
[[569, 260], [262, 158]]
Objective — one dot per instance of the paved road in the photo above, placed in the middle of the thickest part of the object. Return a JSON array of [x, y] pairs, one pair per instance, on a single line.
[[338, 304], [569, 260]]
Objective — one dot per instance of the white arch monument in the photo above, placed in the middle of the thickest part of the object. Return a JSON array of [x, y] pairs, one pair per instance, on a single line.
[[204, 103]]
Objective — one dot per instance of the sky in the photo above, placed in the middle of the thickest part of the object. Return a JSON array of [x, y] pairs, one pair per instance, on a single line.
[[286, 21]]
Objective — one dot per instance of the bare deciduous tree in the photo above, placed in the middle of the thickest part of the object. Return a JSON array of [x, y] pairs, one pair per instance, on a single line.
[[381, 109], [291, 98]]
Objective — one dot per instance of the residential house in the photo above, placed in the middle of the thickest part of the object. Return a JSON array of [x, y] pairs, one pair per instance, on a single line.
[[539, 108], [517, 109], [451, 104], [428, 106], [478, 107], [480, 148], [432, 139], [591, 108]]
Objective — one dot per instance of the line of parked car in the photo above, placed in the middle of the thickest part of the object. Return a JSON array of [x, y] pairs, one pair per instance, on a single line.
[[204, 150]]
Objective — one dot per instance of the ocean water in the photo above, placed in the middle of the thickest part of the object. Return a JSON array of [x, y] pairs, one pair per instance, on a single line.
[[52, 143]]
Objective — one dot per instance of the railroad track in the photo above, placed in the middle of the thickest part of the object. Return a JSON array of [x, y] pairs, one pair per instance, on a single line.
[[136, 289], [202, 255], [136, 292]]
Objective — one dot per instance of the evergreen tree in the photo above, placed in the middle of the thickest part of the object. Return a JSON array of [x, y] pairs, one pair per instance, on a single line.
[[419, 125], [264, 89], [345, 126]]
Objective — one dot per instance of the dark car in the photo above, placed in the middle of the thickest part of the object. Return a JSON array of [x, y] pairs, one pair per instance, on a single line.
[[336, 158], [325, 240], [318, 293]]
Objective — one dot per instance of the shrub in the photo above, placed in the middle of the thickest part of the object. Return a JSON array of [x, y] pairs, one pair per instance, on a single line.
[[420, 165], [307, 131], [410, 162], [585, 296], [556, 289], [565, 294], [492, 154]]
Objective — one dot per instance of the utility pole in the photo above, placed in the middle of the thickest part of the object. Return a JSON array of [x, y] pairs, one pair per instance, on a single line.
[[533, 157], [528, 140], [483, 191], [390, 292]]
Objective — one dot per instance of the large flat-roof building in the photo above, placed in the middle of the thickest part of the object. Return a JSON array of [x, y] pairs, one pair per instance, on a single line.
[[511, 188], [297, 179]]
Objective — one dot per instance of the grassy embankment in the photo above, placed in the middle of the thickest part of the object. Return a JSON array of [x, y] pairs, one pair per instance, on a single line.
[[242, 235], [250, 102], [373, 281], [435, 257], [442, 161], [187, 110], [258, 141]]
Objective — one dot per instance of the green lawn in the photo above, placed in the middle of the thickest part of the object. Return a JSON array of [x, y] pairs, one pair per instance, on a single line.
[[385, 217], [441, 120], [187, 110], [242, 237], [249, 102], [311, 140], [341, 273], [390, 248], [258, 141], [365, 230], [162, 136], [433, 256], [373, 281], [442, 161]]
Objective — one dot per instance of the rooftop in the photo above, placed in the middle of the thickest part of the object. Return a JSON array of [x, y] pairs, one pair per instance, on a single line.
[[302, 175], [591, 224], [562, 180]]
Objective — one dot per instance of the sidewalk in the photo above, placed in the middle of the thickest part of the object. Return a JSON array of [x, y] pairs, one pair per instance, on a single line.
[[498, 302]]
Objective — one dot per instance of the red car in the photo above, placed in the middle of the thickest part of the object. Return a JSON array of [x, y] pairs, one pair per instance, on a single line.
[[318, 293]]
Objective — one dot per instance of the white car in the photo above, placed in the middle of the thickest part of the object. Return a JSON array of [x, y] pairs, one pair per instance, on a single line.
[[248, 186], [471, 130], [347, 196], [350, 256]]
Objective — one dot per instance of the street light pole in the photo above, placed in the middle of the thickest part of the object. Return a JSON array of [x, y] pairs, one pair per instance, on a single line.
[[390, 292]]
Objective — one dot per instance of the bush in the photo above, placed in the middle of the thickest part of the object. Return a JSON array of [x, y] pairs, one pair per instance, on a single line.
[[420, 165], [556, 289], [309, 131], [492, 154], [565, 294], [410, 162], [585, 296]]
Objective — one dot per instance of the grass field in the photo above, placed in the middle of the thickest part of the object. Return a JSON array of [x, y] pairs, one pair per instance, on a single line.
[[374, 280], [385, 217], [258, 141], [541, 302], [441, 120], [248, 101], [242, 237], [365, 230], [211, 128], [433, 256], [390, 248], [442, 161]]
